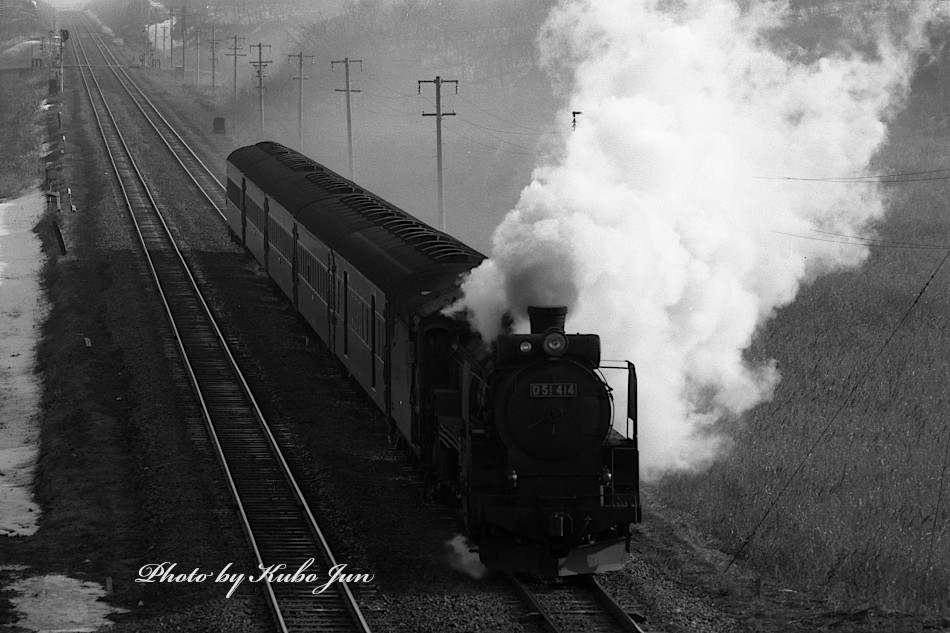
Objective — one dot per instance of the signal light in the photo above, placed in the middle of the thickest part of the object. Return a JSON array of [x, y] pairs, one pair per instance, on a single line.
[[526, 347]]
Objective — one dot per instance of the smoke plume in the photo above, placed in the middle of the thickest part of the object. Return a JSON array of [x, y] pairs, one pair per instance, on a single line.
[[660, 221], [461, 557]]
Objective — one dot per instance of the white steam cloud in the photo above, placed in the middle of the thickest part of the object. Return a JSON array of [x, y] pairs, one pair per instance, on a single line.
[[461, 557], [653, 224]]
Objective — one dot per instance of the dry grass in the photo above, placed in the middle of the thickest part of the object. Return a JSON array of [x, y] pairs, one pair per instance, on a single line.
[[22, 90], [867, 516], [21, 133]]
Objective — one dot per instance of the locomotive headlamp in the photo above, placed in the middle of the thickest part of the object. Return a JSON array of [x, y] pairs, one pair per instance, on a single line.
[[555, 344], [526, 347]]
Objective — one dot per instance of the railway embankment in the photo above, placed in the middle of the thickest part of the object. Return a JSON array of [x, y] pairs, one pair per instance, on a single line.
[[116, 467], [21, 302]]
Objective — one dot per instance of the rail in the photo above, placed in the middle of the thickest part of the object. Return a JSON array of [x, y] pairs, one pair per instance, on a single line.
[[280, 527]]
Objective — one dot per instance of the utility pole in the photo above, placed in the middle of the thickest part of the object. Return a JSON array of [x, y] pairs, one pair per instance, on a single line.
[[145, 44], [214, 59], [438, 114], [164, 40], [63, 34], [171, 38], [184, 13], [154, 39], [261, 65], [300, 79], [184, 30], [198, 57], [349, 119], [235, 54]]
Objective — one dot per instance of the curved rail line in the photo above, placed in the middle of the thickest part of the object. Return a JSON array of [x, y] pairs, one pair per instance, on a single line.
[[575, 604], [278, 524]]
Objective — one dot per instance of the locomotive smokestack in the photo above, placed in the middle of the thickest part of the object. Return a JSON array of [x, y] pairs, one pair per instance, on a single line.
[[543, 318]]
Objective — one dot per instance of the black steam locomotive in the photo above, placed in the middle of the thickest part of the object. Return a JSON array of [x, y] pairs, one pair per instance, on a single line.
[[518, 435]]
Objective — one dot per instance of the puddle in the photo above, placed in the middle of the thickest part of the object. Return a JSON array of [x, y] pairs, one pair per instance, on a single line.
[[57, 603]]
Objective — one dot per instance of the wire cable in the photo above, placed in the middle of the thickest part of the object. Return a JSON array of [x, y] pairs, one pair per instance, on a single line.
[[396, 94], [869, 241], [937, 505], [491, 147], [513, 144], [398, 113], [484, 127], [870, 178], [837, 413], [531, 129], [525, 150]]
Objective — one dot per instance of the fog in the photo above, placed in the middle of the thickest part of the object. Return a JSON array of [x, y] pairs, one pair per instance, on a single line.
[[495, 130]]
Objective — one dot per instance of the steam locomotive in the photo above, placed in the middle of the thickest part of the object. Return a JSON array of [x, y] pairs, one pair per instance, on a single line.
[[517, 435]]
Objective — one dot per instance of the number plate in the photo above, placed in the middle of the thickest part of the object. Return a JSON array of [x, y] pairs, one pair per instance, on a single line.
[[554, 390]]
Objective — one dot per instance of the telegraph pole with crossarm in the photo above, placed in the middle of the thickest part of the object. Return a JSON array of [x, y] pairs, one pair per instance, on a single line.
[[438, 114], [235, 54], [183, 14], [214, 58], [300, 79], [349, 119], [261, 65]]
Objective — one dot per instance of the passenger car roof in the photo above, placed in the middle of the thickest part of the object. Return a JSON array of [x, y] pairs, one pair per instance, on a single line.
[[416, 266]]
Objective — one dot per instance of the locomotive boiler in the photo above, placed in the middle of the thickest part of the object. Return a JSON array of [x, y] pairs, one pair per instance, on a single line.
[[516, 433]]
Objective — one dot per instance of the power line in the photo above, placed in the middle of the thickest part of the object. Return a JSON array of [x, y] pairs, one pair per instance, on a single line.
[[858, 237], [526, 150], [936, 513], [399, 113], [491, 147], [492, 129], [379, 96], [869, 178], [838, 411], [513, 144], [869, 241], [532, 129], [396, 94]]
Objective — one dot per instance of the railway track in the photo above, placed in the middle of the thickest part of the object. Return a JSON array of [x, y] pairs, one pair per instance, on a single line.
[[574, 604], [196, 169], [279, 525]]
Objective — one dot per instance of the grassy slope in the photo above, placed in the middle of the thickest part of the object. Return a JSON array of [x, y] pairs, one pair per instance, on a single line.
[[21, 91], [866, 517]]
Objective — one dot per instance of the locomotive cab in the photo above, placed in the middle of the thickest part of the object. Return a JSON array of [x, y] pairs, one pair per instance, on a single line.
[[553, 487]]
